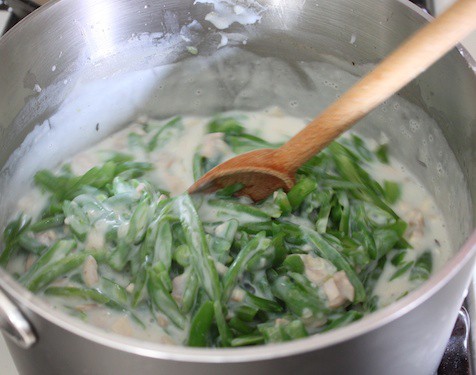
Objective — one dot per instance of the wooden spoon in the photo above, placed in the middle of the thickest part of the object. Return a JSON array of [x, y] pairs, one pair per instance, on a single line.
[[264, 171]]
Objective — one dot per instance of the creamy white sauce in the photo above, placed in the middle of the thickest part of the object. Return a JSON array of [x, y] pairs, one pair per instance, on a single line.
[[225, 12], [173, 172]]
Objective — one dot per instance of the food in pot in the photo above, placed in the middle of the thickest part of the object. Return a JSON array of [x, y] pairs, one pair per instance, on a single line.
[[112, 238]]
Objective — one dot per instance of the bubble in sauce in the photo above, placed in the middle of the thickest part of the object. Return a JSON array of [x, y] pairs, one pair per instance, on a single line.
[[414, 125], [439, 169]]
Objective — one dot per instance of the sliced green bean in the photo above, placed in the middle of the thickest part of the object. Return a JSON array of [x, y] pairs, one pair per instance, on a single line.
[[423, 267], [326, 251], [162, 299], [300, 191], [200, 326], [51, 272], [48, 223], [200, 253], [56, 252], [257, 244]]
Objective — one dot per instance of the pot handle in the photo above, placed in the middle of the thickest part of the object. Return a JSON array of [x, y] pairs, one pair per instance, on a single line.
[[14, 324]]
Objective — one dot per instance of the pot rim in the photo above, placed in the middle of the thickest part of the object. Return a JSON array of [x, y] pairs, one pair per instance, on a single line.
[[371, 322]]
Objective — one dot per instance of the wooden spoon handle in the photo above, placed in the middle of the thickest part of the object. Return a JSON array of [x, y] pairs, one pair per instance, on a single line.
[[404, 64]]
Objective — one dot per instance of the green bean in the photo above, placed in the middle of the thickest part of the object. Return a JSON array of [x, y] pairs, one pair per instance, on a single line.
[[31, 244], [271, 333], [200, 325], [140, 287], [294, 330], [120, 255], [401, 271], [76, 219], [138, 223], [56, 252], [282, 201], [115, 291], [52, 271], [241, 327], [359, 146], [227, 125], [228, 210], [301, 303], [246, 312], [382, 153], [190, 293], [11, 235], [229, 191], [343, 320], [48, 223], [280, 250], [246, 142], [257, 244], [198, 169], [262, 260], [423, 267], [399, 258], [344, 224], [135, 140], [300, 191], [93, 295], [392, 191], [163, 244], [324, 213], [200, 253], [326, 251], [247, 340], [203, 263], [263, 303], [385, 240], [164, 134], [222, 326], [294, 263], [162, 300], [182, 255], [283, 331], [82, 293]]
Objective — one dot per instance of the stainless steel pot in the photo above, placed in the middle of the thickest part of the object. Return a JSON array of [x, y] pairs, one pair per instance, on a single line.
[[67, 43]]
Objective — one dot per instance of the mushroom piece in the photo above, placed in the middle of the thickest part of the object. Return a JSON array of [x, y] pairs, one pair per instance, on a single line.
[[47, 238], [178, 287], [213, 146], [30, 260], [162, 321], [237, 295], [416, 224], [122, 326], [317, 269], [335, 298], [345, 287], [90, 271]]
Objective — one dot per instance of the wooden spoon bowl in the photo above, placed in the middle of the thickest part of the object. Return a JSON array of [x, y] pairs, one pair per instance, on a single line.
[[261, 172]]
